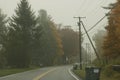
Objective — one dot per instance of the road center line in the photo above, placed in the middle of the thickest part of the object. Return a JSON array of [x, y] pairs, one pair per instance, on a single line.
[[42, 75]]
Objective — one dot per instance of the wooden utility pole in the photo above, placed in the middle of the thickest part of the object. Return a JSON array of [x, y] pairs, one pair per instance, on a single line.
[[91, 43], [80, 40]]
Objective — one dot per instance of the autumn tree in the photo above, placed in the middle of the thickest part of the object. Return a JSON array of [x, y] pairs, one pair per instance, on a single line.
[[112, 40], [51, 47], [70, 40]]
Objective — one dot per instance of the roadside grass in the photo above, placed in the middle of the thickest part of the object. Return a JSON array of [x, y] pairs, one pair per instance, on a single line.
[[103, 77], [107, 73], [80, 73], [5, 72]]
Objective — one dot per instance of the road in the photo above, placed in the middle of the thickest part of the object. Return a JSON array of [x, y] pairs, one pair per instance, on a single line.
[[49, 73]]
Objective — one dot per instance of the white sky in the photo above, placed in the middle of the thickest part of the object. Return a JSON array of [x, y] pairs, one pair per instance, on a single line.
[[63, 11]]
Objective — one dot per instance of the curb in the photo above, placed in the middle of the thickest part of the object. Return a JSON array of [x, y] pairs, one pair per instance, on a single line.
[[73, 75]]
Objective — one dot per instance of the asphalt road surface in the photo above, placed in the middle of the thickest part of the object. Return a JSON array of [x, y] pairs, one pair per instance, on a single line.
[[50, 73]]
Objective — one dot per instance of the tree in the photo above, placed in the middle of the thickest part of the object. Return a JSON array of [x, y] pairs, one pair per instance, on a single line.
[[3, 33], [50, 50], [37, 44], [20, 36], [58, 44], [98, 38], [70, 40], [112, 40]]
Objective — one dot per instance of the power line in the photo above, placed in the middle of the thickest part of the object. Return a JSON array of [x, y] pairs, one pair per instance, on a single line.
[[95, 24], [93, 8], [91, 42], [100, 20]]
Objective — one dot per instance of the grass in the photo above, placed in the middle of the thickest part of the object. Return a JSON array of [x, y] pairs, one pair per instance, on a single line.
[[4, 72], [80, 73], [107, 73]]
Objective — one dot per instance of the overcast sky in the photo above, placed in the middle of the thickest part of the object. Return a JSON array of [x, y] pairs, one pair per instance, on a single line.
[[63, 11]]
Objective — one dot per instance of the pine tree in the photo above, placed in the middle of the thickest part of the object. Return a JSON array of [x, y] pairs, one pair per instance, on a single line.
[[20, 36], [3, 33], [37, 45]]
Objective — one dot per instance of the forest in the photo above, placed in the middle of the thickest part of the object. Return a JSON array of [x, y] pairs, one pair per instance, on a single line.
[[28, 40]]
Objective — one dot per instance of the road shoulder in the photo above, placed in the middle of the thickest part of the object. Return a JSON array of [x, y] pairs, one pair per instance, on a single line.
[[73, 75]]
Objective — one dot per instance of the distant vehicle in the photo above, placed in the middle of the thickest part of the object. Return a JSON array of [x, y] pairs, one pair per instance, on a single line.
[[76, 66]]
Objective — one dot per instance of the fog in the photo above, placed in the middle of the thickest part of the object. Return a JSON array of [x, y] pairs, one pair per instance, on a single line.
[[63, 11]]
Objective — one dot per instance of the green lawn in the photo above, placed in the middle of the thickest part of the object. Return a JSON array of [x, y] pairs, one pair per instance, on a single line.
[[4, 72]]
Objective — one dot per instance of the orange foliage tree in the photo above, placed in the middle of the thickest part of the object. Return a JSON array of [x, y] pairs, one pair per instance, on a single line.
[[112, 40]]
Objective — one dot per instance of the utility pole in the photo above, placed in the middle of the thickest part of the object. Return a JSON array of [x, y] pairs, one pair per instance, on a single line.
[[91, 43], [80, 40]]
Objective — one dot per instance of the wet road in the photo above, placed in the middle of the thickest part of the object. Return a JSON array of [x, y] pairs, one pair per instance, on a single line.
[[50, 73]]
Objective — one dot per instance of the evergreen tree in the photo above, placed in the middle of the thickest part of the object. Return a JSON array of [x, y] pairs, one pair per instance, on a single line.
[[20, 36], [37, 44], [3, 33]]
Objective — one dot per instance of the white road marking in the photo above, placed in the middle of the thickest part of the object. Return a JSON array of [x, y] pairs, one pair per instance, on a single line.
[[73, 75]]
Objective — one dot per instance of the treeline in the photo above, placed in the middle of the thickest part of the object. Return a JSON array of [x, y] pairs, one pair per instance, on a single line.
[[70, 41], [29, 40]]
